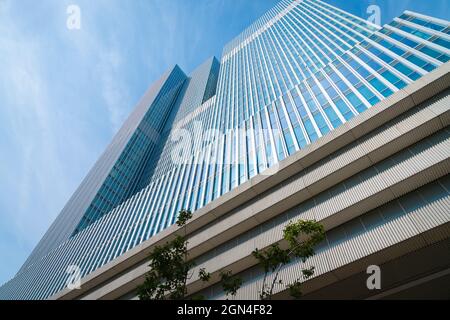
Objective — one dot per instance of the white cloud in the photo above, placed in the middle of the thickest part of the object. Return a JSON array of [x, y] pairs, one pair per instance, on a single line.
[[31, 125], [47, 152], [113, 92]]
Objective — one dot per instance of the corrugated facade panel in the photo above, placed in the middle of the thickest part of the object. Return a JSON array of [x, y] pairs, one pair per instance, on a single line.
[[373, 184], [374, 240], [351, 250]]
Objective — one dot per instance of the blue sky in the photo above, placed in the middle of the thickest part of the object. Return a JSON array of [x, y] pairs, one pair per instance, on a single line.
[[64, 93]]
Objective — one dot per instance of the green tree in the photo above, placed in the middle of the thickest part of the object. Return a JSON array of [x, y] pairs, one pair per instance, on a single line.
[[170, 270], [169, 267], [230, 283], [301, 237]]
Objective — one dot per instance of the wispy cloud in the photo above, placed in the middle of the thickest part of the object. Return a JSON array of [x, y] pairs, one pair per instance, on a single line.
[[42, 138], [30, 123], [113, 93], [64, 93], [29, 159]]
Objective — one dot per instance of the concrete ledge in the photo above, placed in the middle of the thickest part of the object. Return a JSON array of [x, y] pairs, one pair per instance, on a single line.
[[365, 155], [337, 218], [128, 281], [427, 87], [402, 258]]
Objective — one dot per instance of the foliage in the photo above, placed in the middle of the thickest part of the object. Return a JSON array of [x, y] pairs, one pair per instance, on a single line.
[[294, 288], [230, 283], [204, 275], [170, 267], [301, 237], [170, 270], [183, 217]]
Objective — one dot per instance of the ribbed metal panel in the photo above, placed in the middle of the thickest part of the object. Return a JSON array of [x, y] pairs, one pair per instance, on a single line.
[[371, 184], [373, 240], [356, 248]]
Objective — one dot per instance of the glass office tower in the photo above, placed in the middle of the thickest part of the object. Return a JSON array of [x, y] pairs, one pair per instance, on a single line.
[[299, 72]]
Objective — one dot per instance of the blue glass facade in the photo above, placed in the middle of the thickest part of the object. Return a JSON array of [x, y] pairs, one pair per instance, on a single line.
[[299, 72]]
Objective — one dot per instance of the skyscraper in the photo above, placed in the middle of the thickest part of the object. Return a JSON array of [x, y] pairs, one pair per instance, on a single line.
[[311, 113]]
